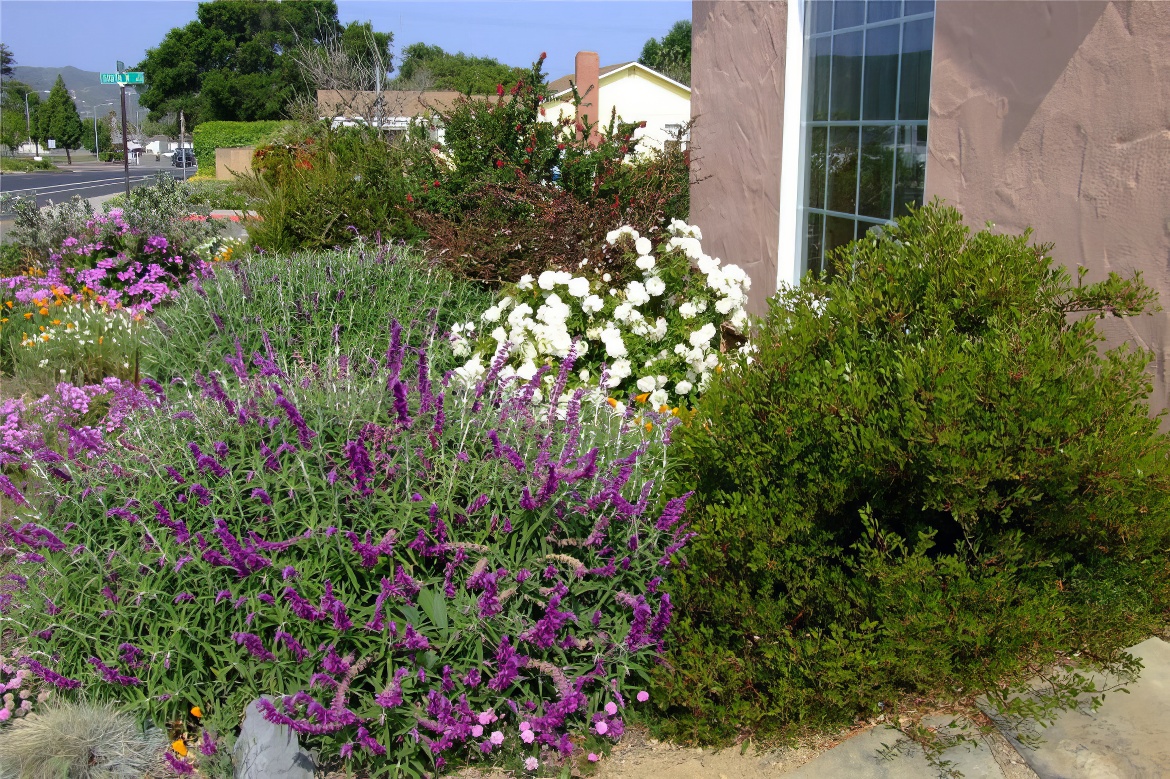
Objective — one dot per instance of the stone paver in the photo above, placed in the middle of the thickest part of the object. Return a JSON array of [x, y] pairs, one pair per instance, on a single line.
[[858, 758], [1127, 738]]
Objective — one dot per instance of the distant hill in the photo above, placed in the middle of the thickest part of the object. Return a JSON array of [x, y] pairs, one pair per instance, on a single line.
[[83, 84]]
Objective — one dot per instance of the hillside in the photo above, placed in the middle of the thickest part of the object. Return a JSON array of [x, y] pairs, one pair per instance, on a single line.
[[85, 85]]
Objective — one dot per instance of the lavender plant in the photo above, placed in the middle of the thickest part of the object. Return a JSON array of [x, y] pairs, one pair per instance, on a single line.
[[421, 572]]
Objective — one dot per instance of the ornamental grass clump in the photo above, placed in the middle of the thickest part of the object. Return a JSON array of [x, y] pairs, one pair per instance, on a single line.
[[655, 325], [420, 572]]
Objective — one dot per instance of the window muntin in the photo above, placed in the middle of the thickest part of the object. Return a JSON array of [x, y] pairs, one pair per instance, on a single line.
[[865, 117]]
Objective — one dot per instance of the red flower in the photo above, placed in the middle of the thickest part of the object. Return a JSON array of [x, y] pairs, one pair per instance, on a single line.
[[543, 54], [499, 163], [436, 184], [542, 112], [528, 149], [409, 198], [500, 90], [561, 146]]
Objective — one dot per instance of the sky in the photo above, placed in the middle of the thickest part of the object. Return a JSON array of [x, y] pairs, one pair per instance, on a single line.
[[94, 34]]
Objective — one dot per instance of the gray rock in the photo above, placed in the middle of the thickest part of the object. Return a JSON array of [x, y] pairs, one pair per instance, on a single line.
[[1127, 738], [858, 758], [268, 751]]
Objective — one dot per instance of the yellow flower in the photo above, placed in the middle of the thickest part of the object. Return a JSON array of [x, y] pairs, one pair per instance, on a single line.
[[44, 311], [612, 403], [649, 426], [663, 409], [28, 315], [179, 747], [8, 303], [101, 338], [196, 711], [56, 321], [45, 337], [642, 398]]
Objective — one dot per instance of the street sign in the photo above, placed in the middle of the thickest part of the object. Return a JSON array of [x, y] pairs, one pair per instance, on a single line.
[[124, 78], [121, 66]]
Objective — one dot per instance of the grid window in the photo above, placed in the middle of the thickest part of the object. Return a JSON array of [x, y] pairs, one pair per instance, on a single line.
[[865, 117]]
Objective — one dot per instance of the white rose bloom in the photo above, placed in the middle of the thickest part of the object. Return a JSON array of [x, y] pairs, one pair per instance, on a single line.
[[739, 320], [655, 286], [642, 246], [659, 331], [700, 306], [683, 388], [504, 302], [680, 349], [658, 398], [579, 287], [527, 370], [547, 280], [703, 335], [725, 305], [592, 304], [711, 361], [525, 282], [606, 278], [461, 348], [707, 264], [593, 333], [619, 409], [636, 293], [645, 262], [687, 310], [562, 277], [528, 350], [583, 375], [516, 318], [491, 315], [500, 335], [614, 345], [581, 347], [471, 371], [620, 369], [646, 384]]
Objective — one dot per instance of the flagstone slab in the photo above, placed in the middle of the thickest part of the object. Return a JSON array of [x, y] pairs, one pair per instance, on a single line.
[[1128, 737]]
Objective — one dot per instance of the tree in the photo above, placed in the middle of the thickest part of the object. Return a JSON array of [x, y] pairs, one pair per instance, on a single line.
[[235, 61], [104, 139], [6, 60], [58, 119], [430, 67], [670, 56]]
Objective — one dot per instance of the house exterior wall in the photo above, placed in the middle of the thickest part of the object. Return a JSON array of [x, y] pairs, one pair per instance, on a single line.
[[737, 99], [637, 98], [1056, 115]]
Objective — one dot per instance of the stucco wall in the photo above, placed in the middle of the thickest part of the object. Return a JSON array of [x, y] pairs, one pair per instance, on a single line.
[[1056, 115], [229, 162], [737, 100]]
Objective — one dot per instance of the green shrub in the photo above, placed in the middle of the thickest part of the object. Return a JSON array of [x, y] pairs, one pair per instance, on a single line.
[[312, 306], [927, 477], [217, 195], [21, 165], [209, 136]]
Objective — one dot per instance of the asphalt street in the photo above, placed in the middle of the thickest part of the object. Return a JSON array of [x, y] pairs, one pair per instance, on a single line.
[[86, 180]]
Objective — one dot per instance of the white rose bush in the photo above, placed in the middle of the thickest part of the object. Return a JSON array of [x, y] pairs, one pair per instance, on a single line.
[[653, 331]]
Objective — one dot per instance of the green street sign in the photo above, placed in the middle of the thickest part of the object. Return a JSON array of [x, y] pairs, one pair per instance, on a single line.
[[123, 78]]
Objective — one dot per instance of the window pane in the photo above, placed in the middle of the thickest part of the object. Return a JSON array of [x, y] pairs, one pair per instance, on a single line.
[[880, 10], [838, 232], [881, 72], [914, 102], [842, 163], [819, 81], [850, 13], [877, 171], [919, 7], [816, 166], [845, 98], [820, 15], [814, 242], [911, 173]]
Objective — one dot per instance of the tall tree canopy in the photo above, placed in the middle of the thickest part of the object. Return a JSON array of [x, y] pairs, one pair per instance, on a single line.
[[671, 56], [6, 60], [58, 119], [430, 67], [234, 62]]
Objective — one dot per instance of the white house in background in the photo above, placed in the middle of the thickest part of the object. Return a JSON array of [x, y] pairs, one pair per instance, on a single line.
[[638, 93]]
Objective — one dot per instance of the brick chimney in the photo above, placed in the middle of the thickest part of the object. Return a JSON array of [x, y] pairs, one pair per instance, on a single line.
[[587, 75]]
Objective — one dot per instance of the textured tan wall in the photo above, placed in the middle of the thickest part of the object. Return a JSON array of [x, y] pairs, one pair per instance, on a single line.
[[737, 101], [228, 162], [1056, 115]]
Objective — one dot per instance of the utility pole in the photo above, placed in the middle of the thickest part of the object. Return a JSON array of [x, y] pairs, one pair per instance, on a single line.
[[125, 144], [183, 132]]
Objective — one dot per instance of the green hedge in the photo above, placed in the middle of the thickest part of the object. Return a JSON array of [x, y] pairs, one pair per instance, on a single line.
[[209, 136]]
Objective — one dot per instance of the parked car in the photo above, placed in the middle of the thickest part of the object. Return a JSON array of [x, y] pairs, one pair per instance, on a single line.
[[183, 158]]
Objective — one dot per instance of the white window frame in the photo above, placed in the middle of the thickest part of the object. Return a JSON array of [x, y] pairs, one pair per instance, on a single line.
[[792, 151]]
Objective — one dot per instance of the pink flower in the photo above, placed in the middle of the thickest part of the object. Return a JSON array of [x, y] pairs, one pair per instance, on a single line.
[[5, 714], [531, 763], [643, 696], [525, 725], [527, 736], [601, 727], [593, 757], [497, 737], [487, 717], [611, 708], [477, 730]]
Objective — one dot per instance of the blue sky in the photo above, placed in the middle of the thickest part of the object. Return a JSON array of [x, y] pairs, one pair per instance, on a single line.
[[94, 34]]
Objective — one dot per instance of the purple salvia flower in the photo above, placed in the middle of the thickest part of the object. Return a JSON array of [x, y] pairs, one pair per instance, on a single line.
[[299, 652], [254, 645], [50, 676], [111, 675]]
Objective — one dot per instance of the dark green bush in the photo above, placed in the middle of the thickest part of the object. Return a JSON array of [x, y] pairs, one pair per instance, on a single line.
[[929, 475]]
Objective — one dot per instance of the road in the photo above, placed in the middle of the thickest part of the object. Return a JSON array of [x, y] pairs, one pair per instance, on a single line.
[[87, 180]]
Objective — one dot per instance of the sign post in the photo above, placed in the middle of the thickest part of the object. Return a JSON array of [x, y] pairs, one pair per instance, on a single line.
[[122, 78]]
